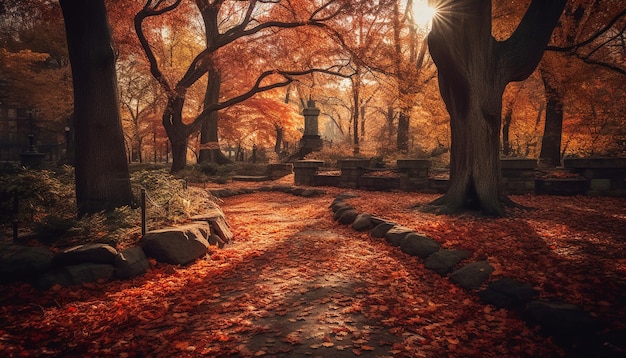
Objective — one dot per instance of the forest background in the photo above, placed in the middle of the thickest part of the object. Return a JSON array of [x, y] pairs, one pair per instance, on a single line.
[[365, 63]]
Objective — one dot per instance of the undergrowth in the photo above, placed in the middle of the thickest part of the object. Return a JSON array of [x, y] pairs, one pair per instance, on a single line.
[[46, 209]]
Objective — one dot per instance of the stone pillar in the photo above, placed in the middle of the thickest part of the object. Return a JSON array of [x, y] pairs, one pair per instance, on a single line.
[[305, 170], [311, 140], [413, 174], [351, 171]]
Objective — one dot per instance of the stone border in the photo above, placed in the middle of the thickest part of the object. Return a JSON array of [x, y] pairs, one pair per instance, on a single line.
[[568, 324]]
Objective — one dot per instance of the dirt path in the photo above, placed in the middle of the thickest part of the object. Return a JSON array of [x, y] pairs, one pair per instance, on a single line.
[[316, 288], [311, 278]]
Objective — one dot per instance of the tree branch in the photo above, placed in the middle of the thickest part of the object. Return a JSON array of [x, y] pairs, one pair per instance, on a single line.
[[258, 87], [142, 15], [591, 38], [520, 54]]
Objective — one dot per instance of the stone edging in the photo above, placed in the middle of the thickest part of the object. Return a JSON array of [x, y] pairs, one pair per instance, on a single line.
[[568, 324]]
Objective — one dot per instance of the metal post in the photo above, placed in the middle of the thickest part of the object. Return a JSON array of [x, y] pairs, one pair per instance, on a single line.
[[143, 212], [16, 222]]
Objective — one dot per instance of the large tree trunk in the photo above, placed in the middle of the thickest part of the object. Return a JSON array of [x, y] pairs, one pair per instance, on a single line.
[[356, 91], [280, 134], [402, 141], [209, 140], [102, 177], [177, 134], [474, 69], [551, 141], [506, 127]]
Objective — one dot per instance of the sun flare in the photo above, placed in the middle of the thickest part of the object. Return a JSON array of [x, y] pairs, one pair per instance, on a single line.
[[423, 14]]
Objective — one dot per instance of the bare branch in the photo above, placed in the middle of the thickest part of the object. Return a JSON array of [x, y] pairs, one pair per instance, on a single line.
[[591, 38]]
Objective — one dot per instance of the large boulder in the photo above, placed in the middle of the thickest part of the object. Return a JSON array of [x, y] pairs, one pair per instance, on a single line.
[[396, 234], [442, 262], [419, 245], [75, 275], [472, 275], [22, 263], [94, 253], [179, 245], [130, 263]]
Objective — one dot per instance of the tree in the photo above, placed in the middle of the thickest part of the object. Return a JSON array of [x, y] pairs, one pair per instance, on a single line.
[[576, 44], [102, 177], [241, 20], [474, 70]]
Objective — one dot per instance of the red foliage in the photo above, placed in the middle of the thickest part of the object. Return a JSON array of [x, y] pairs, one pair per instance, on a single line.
[[294, 282]]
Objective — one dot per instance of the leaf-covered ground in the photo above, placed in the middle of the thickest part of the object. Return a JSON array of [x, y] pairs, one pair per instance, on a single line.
[[295, 283]]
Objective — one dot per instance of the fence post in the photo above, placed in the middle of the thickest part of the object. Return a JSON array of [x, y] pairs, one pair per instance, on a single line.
[[143, 212], [16, 213]]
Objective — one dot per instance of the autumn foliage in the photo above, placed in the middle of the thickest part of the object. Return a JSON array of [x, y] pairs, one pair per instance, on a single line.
[[297, 283]]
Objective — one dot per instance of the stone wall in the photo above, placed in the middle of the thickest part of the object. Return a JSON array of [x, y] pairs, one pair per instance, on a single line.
[[589, 176]]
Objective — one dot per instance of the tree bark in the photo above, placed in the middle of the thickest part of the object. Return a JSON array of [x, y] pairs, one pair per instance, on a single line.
[[551, 141], [474, 69], [177, 134], [506, 126], [209, 131], [280, 134], [102, 176], [402, 141]]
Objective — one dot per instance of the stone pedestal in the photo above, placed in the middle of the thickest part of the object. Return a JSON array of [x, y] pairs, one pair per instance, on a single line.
[[413, 174], [304, 171], [518, 175], [351, 171], [311, 140]]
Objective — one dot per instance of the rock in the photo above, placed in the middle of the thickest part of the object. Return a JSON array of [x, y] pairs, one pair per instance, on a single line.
[[217, 222], [395, 235], [472, 275], [347, 195], [339, 212], [377, 221], [221, 228], [130, 263], [180, 245], [442, 262], [566, 322], [508, 294], [94, 253], [347, 217], [23, 263], [297, 191], [311, 193], [419, 245], [340, 205], [336, 201], [283, 188], [215, 240], [363, 222], [209, 214], [75, 275], [223, 193], [381, 229]]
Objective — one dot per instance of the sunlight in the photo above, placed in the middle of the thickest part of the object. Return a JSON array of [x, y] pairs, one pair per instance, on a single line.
[[423, 13]]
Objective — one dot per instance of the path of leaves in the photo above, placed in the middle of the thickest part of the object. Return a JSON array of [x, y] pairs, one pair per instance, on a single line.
[[296, 284]]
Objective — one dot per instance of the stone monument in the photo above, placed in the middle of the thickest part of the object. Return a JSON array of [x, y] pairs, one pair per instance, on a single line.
[[311, 140]]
